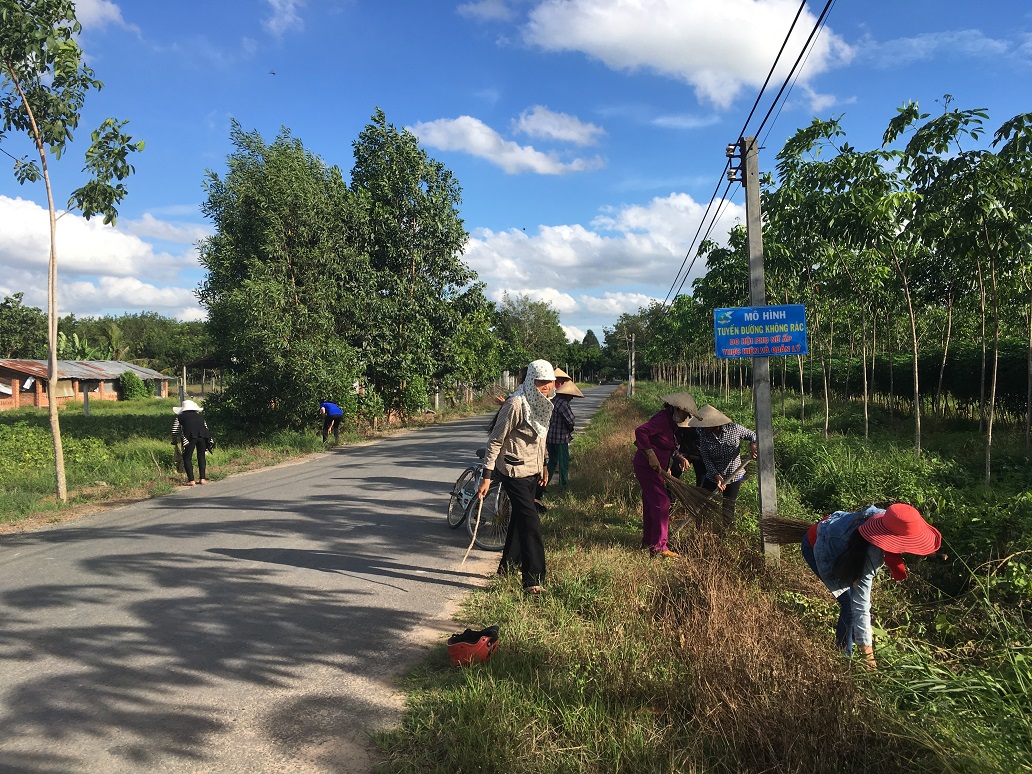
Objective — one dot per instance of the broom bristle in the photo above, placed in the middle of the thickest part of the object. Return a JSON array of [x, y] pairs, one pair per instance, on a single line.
[[696, 500], [783, 532]]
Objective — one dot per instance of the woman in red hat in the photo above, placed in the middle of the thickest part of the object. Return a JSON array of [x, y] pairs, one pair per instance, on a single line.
[[847, 549]]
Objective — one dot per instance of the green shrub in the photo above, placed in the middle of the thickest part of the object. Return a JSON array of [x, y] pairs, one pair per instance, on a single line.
[[25, 449], [133, 387]]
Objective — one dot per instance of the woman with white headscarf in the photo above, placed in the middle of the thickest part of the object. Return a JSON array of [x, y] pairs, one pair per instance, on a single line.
[[515, 457]]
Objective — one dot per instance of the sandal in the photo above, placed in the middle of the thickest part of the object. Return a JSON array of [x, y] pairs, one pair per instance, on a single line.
[[191, 483], [533, 590]]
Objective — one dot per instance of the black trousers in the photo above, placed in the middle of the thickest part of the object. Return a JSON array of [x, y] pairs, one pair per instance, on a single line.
[[188, 449], [331, 423], [728, 498], [523, 543]]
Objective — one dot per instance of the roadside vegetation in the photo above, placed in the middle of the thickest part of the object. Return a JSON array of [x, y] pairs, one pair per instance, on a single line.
[[123, 451], [715, 662]]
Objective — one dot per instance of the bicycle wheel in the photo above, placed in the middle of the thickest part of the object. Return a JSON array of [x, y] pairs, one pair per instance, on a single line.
[[462, 494], [494, 520]]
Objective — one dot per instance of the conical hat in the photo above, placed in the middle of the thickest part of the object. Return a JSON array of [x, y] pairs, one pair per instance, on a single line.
[[682, 400], [561, 375], [709, 416], [569, 388]]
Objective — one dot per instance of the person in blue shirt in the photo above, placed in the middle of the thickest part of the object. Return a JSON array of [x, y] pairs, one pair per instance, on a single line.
[[332, 415], [846, 550]]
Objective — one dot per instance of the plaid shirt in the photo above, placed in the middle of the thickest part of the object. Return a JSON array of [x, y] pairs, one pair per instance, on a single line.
[[560, 428], [722, 452]]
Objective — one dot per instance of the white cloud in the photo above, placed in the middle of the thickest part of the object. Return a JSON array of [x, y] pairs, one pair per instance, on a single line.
[[541, 122], [717, 47], [487, 10], [573, 333], [935, 45], [561, 302], [686, 121], [615, 304], [101, 269], [639, 247], [285, 17], [470, 135], [150, 227], [97, 14]]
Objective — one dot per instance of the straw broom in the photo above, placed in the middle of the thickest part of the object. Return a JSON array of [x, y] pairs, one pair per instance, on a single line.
[[697, 501], [783, 532]]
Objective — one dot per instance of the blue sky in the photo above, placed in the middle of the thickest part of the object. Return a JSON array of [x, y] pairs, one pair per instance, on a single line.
[[587, 135]]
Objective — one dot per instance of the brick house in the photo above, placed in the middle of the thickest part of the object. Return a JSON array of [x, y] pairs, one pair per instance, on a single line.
[[24, 382]]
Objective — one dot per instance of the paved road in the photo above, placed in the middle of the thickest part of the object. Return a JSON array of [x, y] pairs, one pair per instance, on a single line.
[[254, 624]]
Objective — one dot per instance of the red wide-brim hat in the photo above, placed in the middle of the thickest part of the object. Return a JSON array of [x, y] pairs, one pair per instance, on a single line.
[[902, 530]]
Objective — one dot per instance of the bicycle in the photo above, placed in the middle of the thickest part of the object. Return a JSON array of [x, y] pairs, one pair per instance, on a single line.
[[464, 505]]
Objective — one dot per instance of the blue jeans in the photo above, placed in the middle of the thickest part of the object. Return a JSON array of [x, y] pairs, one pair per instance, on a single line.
[[844, 627]]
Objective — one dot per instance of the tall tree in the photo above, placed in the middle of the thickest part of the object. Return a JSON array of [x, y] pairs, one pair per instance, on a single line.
[[280, 266], [414, 238], [43, 87]]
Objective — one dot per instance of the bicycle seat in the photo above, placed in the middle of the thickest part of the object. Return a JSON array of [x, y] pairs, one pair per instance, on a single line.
[[481, 452]]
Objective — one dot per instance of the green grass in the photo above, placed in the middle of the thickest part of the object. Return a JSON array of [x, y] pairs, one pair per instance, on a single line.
[[123, 451], [715, 662]]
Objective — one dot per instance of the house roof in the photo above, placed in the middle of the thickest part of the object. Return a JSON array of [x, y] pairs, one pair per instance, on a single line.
[[98, 370]]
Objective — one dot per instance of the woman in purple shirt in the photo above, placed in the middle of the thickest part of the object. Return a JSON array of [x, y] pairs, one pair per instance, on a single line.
[[656, 443]]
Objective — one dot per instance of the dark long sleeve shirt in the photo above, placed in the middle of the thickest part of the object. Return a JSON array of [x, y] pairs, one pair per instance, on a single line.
[[560, 427], [722, 452]]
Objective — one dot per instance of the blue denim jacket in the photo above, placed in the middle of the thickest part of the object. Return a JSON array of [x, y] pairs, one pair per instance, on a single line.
[[832, 537]]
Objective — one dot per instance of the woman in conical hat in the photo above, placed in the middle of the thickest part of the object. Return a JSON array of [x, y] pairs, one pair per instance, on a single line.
[[560, 431], [190, 428], [656, 442], [515, 456], [720, 444]]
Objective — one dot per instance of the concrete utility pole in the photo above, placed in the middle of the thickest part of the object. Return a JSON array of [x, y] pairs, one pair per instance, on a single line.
[[760, 365], [632, 391], [630, 367]]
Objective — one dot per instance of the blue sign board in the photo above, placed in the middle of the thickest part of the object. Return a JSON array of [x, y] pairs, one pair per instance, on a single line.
[[760, 331]]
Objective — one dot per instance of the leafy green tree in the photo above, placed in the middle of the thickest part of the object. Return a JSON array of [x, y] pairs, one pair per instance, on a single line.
[[279, 269], [529, 330], [23, 329], [413, 236], [472, 355], [591, 353], [75, 348], [43, 87]]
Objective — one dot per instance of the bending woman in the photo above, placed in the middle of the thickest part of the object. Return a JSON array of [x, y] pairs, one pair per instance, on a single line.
[[656, 442], [720, 445], [515, 457], [846, 550], [190, 428]]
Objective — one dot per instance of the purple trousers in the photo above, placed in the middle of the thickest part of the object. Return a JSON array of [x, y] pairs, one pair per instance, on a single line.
[[655, 505]]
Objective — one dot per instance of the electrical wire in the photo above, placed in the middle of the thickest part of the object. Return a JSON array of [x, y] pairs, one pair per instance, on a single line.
[[695, 240], [789, 79], [790, 88], [805, 52]]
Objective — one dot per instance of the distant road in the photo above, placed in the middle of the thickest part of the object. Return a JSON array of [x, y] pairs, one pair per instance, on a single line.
[[253, 624]]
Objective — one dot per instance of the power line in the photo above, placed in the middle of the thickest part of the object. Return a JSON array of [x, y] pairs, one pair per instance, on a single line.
[[790, 88], [702, 220], [803, 53], [695, 239], [724, 201]]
